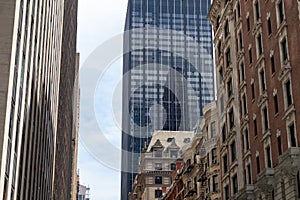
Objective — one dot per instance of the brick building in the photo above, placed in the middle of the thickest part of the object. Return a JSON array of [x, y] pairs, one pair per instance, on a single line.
[[257, 53]]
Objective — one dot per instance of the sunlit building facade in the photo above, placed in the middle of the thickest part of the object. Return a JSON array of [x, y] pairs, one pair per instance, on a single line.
[[168, 73]]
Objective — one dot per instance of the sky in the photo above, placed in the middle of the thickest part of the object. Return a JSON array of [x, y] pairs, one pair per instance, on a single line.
[[98, 22]]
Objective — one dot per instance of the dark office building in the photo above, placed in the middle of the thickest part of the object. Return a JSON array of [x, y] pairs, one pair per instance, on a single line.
[[168, 73]]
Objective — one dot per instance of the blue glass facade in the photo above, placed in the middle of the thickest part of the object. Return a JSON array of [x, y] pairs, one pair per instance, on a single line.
[[168, 73]]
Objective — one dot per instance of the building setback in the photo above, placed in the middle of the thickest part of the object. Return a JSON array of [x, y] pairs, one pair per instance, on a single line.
[[257, 53], [168, 73], [31, 45]]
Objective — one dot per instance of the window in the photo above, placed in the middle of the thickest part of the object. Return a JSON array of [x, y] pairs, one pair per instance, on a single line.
[[221, 75], [265, 118], [174, 154], [228, 58], [158, 180], [234, 184], [158, 166], [268, 157], [284, 51], [252, 91], [247, 146], [226, 29], [279, 145], [157, 153], [269, 26], [226, 193], [273, 68], [244, 103], [231, 118], [223, 133], [298, 184], [259, 44], [262, 80], [249, 179], [233, 151], [256, 10], [219, 49], [288, 93], [173, 166], [240, 40], [207, 158], [229, 88], [255, 126], [158, 193], [238, 10], [225, 163], [248, 24], [242, 72], [276, 104], [257, 164], [280, 10], [293, 141], [250, 55], [218, 22], [214, 156], [215, 183], [213, 129]]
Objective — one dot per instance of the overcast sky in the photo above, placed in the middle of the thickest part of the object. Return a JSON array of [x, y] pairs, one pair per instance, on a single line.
[[98, 21]]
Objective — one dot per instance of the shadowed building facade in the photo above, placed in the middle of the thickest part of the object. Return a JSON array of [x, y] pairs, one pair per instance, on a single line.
[[168, 73]]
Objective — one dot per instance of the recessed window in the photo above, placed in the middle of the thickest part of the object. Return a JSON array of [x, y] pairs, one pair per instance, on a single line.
[[269, 26], [219, 49], [248, 24], [225, 163], [158, 193], [262, 80], [213, 129], [226, 29], [226, 192], [252, 91], [158, 180], [284, 50], [280, 10], [233, 151], [220, 75], [174, 154], [257, 164], [298, 184], [214, 156], [265, 118], [255, 127], [242, 72], [234, 184], [268, 156], [259, 44], [215, 183], [158, 166], [157, 153], [231, 118], [250, 55], [279, 145], [276, 108], [273, 68], [238, 10], [244, 104], [228, 58], [249, 179], [293, 140], [223, 133], [256, 10], [240, 40], [173, 166], [247, 146], [288, 93], [229, 88]]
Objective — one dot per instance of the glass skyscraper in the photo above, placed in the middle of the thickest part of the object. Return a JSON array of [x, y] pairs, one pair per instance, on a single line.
[[168, 73]]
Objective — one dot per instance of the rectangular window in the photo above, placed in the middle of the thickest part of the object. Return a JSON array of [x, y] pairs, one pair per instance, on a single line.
[[257, 164], [226, 29], [292, 135], [298, 184], [228, 58], [247, 146], [256, 9], [229, 88], [250, 55], [223, 133], [273, 68], [234, 184], [226, 192], [213, 129], [268, 156], [276, 108], [288, 93], [214, 156], [158, 193], [220, 75], [219, 49], [233, 151], [225, 163], [252, 91], [215, 183], [242, 72], [249, 174], [255, 127], [158, 166], [259, 44], [280, 11], [284, 52], [231, 118], [266, 120], [244, 105], [269, 26], [240, 40], [279, 145], [158, 180], [262, 80], [248, 24]]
